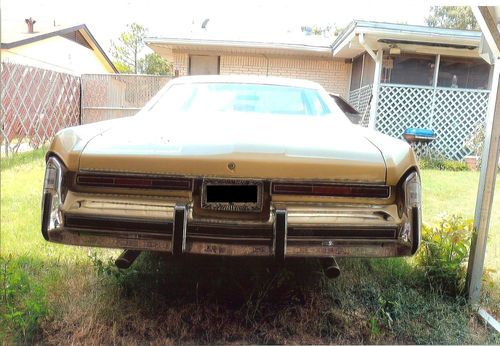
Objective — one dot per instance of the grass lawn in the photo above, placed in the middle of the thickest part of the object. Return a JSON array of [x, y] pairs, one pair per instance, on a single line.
[[56, 294]]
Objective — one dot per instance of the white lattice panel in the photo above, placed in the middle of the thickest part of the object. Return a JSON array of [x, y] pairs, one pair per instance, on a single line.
[[451, 113], [456, 113], [36, 103], [360, 99]]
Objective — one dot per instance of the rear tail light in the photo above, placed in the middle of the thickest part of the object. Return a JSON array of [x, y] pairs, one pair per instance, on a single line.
[[52, 196], [331, 190], [412, 190], [412, 209], [103, 180]]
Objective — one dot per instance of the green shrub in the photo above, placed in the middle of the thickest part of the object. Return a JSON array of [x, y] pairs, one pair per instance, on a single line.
[[438, 162], [455, 166], [444, 253]]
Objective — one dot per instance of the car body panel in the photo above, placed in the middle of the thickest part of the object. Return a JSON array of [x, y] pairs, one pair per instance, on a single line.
[[289, 153]]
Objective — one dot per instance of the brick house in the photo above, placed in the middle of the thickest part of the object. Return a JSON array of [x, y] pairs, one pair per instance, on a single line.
[[308, 58], [396, 75]]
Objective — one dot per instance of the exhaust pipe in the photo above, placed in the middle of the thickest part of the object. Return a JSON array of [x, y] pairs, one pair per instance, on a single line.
[[126, 259], [331, 268]]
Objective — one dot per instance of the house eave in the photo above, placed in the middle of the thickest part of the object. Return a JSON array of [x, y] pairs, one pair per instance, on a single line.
[[409, 38], [231, 46]]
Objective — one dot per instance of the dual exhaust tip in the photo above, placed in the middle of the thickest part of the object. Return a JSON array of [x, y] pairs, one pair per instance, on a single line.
[[331, 268], [125, 260]]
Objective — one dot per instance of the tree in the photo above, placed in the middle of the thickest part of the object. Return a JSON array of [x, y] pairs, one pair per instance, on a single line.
[[127, 53], [454, 17], [154, 64], [122, 68], [130, 44]]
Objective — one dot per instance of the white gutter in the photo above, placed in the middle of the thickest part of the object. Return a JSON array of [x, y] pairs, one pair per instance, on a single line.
[[238, 44]]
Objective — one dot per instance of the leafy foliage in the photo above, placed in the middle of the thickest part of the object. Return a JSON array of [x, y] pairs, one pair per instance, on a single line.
[[122, 68], [154, 64], [444, 253], [22, 301], [130, 44], [128, 50], [454, 17], [438, 161]]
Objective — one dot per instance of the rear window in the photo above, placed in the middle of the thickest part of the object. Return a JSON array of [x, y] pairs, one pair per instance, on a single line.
[[234, 97]]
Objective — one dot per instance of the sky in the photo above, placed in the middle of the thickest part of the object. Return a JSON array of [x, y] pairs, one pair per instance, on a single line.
[[259, 18]]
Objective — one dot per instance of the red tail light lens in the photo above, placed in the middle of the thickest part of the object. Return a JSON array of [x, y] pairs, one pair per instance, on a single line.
[[134, 182], [331, 190]]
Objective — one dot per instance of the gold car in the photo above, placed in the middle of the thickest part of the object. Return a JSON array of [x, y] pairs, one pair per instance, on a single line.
[[234, 166]]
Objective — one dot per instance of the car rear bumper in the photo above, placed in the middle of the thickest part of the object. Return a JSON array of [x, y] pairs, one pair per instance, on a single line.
[[293, 230]]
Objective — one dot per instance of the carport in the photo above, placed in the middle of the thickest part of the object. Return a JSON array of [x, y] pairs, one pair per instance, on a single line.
[[489, 21]]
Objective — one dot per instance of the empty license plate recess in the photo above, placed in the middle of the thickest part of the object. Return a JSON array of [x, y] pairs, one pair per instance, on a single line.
[[232, 195]]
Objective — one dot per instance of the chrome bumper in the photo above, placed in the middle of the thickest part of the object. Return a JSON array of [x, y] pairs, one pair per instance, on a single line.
[[293, 230]]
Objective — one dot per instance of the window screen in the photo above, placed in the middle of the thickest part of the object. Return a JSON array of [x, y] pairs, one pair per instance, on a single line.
[[463, 73], [410, 69]]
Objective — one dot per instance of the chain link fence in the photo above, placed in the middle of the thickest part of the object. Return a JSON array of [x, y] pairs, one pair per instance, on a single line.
[[35, 105], [113, 96]]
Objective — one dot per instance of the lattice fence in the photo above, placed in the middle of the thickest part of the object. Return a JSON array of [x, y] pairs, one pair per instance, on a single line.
[[360, 99], [36, 103], [114, 96], [451, 113]]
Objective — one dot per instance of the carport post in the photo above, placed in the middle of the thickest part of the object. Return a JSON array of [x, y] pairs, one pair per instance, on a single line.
[[489, 164], [376, 89], [486, 189]]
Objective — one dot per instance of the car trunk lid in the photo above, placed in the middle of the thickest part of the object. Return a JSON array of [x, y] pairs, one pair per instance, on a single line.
[[237, 145]]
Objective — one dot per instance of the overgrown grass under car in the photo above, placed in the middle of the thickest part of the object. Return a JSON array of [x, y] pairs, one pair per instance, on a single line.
[[57, 294]]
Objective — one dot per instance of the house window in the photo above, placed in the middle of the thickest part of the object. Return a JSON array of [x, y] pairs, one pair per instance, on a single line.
[[409, 69], [463, 73], [204, 64]]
